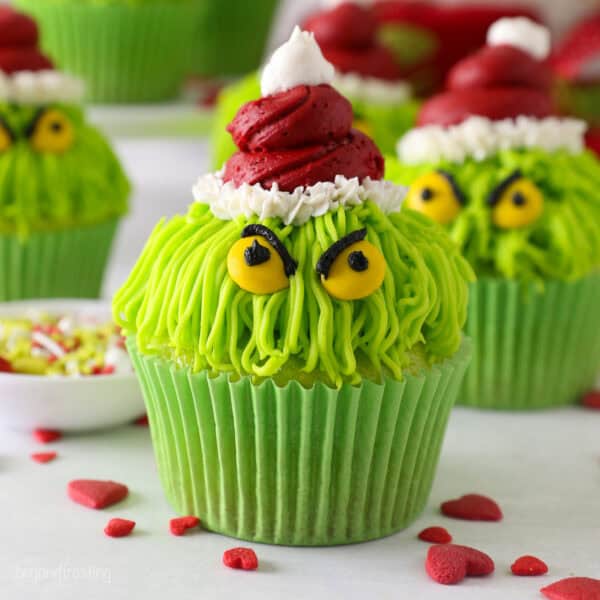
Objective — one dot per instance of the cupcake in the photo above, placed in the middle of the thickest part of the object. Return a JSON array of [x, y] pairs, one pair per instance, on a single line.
[[297, 338], [62, 190], [519, 193], [366, 74], [125, 50]]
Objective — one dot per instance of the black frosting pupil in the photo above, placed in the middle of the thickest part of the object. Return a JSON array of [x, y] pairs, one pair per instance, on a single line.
[[56, 126], [358, 261], [427, 194], [519, 199], [256, 254]]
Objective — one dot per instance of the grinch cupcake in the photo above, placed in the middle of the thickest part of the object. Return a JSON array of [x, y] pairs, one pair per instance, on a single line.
[[298, 340], [365, 73], [62, 190], [517, 190], [125, 50]]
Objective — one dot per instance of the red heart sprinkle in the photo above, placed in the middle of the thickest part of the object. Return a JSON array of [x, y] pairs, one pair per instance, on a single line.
[[119, 528], [573, 588], [96, 494], [43, 457], [435, 535], [45, 436], [472, 507], [5, 366], [142, 421], [592, 400], [240, 558], [527, 566], [449, 564], [180, 525]]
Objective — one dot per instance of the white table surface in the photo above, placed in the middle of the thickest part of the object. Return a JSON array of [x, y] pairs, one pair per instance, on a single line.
[[543, 468]]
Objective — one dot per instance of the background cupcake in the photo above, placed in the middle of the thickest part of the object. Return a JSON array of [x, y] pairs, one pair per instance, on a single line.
[[125, 50], [62, 190], [298, 339], [520, 194], [366, 73]]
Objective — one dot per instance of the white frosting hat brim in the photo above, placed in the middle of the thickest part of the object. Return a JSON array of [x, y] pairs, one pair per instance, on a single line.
[[40, 87], [480, 137]]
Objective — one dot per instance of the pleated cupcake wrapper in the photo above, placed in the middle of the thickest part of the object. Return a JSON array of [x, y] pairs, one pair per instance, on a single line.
[[59, 264], [298, 466], [532, 349], [124, 53], [231, 36]]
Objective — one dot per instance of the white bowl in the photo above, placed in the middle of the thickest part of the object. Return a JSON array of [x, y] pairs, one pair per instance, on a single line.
[[65, 403]]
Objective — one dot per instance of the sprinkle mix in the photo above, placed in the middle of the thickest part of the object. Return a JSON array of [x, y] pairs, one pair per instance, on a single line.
[[43, 344]]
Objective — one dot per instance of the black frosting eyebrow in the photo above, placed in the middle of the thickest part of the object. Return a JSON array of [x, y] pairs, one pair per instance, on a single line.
[[450, 179], [501, 188], [328, 257], [289, 264], [30, 129]]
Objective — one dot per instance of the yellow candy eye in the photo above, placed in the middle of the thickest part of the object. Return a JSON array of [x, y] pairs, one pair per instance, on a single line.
[[437, 196], [259, 262], [517, 202], [6, 136], [352, 268], [52, 132]]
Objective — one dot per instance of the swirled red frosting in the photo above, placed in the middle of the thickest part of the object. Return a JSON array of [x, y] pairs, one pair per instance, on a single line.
[[347, 35], [498, 66], [298, 138], [497, 82], [18, 43]]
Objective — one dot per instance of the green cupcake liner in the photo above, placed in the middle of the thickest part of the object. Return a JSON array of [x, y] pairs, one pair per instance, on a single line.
[[231, 36], [532, 348], [124, 53], [68, 263], [298, 466]]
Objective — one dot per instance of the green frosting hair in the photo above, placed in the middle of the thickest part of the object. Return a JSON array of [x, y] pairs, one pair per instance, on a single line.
[[181, 303], [563, 244], [383, 123], [43, 191]]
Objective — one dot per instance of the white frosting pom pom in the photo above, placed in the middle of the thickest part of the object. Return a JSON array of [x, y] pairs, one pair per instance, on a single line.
[[521, 33], [298, 62]]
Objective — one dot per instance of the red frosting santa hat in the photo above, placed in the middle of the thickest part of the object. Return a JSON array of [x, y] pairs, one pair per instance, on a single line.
[[27, 76], [496, 99], [347, 34]]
